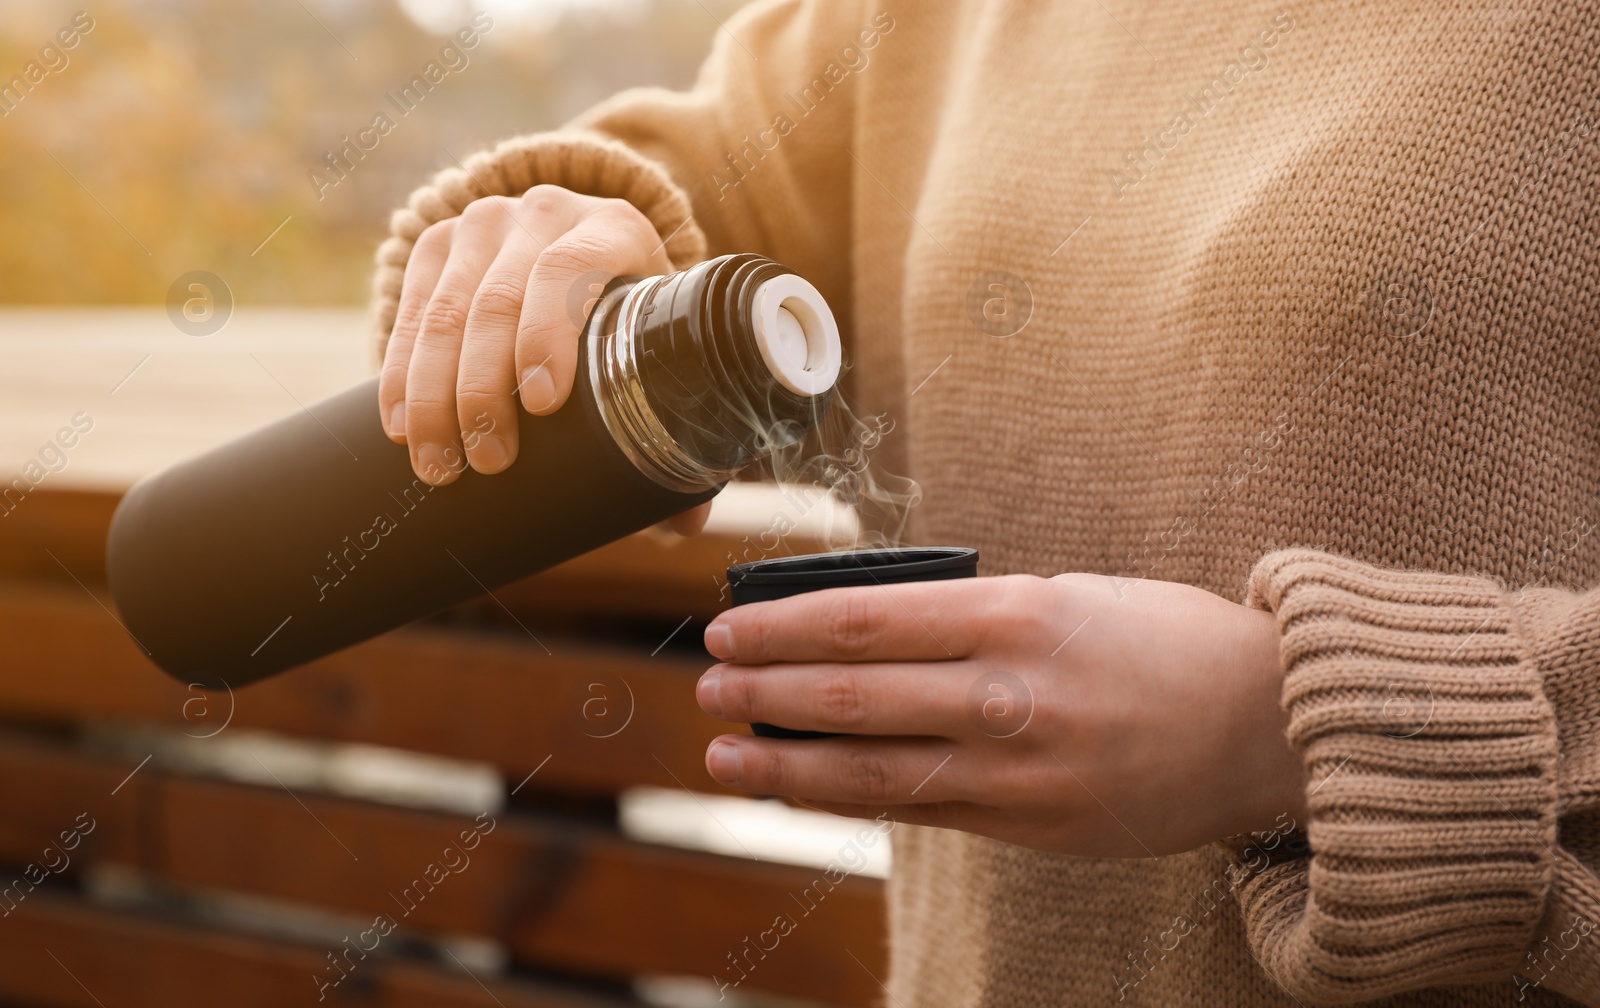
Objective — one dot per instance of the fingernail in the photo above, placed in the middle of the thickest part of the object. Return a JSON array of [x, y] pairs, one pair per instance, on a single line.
[[722, 761], [397, 419], [435, 468], [538, 389], [719, 641], [490, 454], [709, 693]]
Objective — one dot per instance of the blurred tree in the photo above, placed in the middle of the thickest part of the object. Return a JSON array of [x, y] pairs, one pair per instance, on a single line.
[[181, 134]]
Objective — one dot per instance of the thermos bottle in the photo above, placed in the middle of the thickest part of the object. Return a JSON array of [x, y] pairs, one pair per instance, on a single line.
[[313, 533]]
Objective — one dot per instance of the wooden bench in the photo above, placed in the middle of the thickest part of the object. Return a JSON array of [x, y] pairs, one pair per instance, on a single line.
[[153, 882]]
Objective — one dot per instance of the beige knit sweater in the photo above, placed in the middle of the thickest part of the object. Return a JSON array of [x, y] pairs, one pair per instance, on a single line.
[[1311, 293]]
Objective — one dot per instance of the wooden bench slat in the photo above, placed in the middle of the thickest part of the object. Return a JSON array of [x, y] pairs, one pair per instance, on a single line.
[[496, 698], [71, 524], [561, 896], [63, 952]]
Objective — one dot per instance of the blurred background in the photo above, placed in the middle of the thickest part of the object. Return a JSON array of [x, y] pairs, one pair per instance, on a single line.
[[506, 805], [177, 135]]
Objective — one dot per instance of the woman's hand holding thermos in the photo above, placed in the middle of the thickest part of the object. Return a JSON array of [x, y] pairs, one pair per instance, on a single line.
[[490, 313]]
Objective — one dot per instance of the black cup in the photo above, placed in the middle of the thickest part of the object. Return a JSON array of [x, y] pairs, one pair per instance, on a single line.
[[766, 580]]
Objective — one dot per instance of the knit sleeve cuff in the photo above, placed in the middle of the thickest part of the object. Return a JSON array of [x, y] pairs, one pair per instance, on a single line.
[[1430, 750], [573, 159]]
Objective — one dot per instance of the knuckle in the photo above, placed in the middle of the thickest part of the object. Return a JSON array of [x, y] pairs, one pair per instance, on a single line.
[[755, 638], [435, 237], [409, 316], [499, 299], [427, 391], [767, 770], [445, 316], [841, 699], [430, 417], [1022, 587], [540, 340], [740, 701], [628, 216], [646, 241], [1012, 610], [574, 253], [478, 390], [543, 330], [392, 381], [545, 199], [482, 209], [852, 622], [865, 775], [475, 211]]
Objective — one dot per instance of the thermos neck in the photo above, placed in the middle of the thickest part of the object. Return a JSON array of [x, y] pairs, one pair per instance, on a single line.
[[699, 373]]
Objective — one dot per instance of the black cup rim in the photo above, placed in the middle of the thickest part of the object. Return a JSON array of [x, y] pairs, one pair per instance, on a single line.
[[845, 566]]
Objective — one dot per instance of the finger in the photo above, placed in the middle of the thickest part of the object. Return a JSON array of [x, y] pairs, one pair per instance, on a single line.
[[927, 698], [421, 277], [486, 409], [918, 621], [614, 240], [854, 771], [431, 427]]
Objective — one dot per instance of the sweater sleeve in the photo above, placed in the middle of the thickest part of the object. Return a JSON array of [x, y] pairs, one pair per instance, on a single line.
[[748, 160], [1450, 730]]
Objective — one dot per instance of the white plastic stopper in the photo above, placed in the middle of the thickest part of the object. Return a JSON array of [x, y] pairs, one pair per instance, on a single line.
[[797, 335]]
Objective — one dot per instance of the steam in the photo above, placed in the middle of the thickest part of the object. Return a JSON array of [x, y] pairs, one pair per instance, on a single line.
[[837, 457]]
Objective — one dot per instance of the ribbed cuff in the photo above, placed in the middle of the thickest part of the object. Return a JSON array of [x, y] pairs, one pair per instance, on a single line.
[[583, 162], [1431, 754]]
